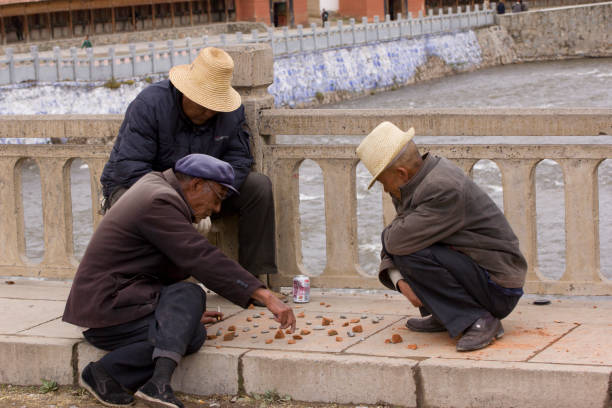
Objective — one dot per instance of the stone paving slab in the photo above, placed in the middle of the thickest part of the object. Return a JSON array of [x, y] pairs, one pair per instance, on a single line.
[[584, 345], [24, 314], [319, 338], [55, 328], [35, 290], [522, 340]]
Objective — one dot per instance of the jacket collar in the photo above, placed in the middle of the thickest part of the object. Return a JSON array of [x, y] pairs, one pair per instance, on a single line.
[[170, 177], [408, 189]]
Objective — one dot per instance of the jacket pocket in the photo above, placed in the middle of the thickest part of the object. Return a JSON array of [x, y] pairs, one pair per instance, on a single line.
[[136, 291]]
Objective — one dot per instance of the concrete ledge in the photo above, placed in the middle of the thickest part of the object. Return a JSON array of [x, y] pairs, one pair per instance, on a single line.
[[209, 371], [344, 379], [468, 383], [27, 360]]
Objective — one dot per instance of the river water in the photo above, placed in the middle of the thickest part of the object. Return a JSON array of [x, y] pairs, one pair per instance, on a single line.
[[577, 83]]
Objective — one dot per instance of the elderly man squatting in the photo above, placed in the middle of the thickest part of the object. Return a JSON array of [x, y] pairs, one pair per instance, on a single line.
[[449, 250], [196, 110], [129, 289]]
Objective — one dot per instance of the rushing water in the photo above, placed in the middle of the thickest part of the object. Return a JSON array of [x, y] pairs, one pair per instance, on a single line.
[[577, 83]]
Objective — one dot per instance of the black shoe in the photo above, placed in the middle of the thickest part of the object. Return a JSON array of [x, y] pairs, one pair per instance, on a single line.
[[481, 333], [102, 386], [156, 397], [428, 324]]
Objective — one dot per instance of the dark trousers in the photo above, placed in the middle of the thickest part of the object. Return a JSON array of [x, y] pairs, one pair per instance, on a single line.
[[173, 330], [256, 224], [452, 287]]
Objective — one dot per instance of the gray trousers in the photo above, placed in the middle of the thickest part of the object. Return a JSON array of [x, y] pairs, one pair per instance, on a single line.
[[256, 222]]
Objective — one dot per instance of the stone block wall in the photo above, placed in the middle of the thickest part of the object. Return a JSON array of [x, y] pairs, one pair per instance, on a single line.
[[566, 32]]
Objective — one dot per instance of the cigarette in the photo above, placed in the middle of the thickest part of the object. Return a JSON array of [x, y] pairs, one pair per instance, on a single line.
[[219, 311]]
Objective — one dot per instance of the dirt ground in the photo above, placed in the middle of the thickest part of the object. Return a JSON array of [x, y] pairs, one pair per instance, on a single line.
[[73, 397]]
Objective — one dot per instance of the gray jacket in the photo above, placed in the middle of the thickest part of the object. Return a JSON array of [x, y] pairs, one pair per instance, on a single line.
[[441, 205]]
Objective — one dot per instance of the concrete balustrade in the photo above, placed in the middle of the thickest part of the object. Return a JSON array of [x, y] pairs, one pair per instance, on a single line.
[[338, 163], [134, 60]]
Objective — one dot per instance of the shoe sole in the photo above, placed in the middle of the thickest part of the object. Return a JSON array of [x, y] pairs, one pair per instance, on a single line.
[[500, 333], [83, 384], [154, 402]]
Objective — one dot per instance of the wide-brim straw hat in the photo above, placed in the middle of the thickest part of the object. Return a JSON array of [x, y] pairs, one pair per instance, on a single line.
[[381, 147], [208, 80]]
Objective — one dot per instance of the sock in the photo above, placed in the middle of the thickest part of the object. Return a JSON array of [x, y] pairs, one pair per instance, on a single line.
[[164, 368]]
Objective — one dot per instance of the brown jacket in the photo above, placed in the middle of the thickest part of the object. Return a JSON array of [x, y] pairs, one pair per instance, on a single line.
[[144, 242], [440, 204]]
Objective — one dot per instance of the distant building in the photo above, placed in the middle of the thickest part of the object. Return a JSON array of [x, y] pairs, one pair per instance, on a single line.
[[371, 8], [41, 20]]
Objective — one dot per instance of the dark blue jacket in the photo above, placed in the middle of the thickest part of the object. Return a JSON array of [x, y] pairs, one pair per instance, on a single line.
[[155, 133]]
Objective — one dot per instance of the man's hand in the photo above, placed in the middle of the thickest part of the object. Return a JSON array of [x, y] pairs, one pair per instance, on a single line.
[[211, 316], [406, 290], [282, 313]]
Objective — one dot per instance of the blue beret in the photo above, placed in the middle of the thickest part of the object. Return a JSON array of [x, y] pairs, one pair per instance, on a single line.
[[207, 167]]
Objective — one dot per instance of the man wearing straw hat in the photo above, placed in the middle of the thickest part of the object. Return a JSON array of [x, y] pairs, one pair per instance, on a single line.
[[449, 250], [197, 111]]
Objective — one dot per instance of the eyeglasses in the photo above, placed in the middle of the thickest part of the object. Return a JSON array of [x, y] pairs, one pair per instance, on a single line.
[[219, 196]]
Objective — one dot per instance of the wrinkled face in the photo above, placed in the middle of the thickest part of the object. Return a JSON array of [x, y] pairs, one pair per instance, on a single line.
[[197, 113], [392, 179], [204, 197]]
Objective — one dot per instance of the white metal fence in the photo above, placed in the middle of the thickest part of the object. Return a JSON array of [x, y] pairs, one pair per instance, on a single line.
[[137, 60]]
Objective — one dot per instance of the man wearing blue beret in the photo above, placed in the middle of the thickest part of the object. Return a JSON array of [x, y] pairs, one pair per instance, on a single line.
[[197, 110], [129, 289]]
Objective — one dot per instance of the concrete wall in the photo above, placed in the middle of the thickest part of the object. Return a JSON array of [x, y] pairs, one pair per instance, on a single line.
[[581, 31]]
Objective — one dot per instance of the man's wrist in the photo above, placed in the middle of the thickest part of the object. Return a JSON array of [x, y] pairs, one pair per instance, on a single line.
[[261, 295]]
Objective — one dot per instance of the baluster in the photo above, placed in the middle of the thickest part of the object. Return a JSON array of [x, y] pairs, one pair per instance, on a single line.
[[111, 54], [58, 63], [284, 175], [11, 64], [91, 62], [519, 206], [189, 49], [255, 35], [133, 58], [35, 62], [581, 220], [286, 37], [364, 24], [75, 62], [57, 213], [12, 241], [340, 222], [96, 166], [171, 52], [152, 53], [352, 21], [313, 28], [340, 31], [300, 29]]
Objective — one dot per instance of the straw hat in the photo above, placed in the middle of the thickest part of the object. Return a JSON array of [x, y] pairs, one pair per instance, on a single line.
[[378, 150], [207, 80]]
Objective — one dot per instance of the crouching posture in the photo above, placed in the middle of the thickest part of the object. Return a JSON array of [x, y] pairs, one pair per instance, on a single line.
[[449, 250], [129, 289]]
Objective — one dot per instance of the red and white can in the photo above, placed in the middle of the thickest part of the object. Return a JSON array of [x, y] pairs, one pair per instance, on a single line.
[[301, 289]]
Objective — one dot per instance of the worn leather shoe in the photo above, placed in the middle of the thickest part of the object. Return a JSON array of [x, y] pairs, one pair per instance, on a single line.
[[481, 333], [158, 396], [428, 324], [103, 387]]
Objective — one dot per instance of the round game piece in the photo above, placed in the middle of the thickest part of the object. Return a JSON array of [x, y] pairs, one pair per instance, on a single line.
[[541, 302]]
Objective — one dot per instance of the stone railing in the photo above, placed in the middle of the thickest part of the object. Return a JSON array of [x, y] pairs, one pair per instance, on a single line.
[[142, 59], [516, 162], [338, 162]]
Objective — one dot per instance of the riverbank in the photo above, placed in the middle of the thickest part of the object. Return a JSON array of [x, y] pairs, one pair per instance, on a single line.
[[329, 76]]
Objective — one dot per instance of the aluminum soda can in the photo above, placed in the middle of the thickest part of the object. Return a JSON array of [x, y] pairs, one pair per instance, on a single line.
[[301, 289]]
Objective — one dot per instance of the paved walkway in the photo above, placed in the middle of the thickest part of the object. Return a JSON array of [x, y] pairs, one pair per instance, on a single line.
[[559, 355]]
